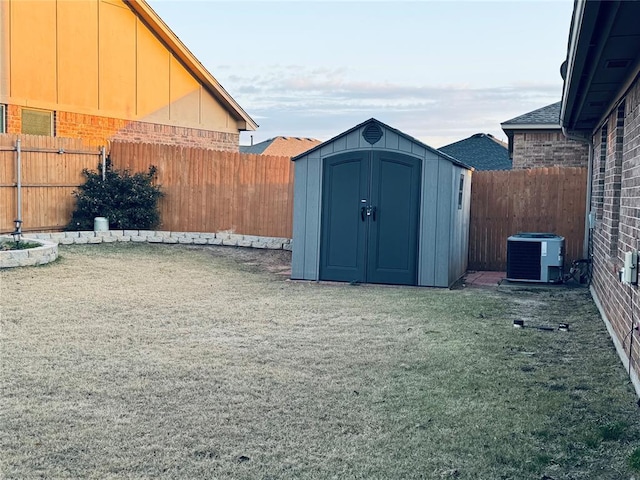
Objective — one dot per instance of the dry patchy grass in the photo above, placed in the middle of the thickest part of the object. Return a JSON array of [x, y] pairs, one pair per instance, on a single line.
[[152, 361]]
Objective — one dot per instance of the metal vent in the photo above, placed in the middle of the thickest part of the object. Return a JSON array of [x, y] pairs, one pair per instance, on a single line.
[[618, 63], [372, 133]]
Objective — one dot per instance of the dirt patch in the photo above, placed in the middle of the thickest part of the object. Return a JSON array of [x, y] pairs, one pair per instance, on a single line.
[[259, 260]]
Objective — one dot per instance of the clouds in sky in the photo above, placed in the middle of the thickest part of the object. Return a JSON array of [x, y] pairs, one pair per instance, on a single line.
[[437, 70], [320, 103]]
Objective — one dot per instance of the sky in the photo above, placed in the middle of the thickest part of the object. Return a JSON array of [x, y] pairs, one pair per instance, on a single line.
[[439, 71]]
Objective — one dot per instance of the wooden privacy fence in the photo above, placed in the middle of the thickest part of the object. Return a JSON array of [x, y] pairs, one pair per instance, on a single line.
[[504, 203], [50, 169], [212, 191]]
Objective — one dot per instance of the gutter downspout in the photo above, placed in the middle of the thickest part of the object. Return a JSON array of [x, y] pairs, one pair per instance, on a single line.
[[589, 141]]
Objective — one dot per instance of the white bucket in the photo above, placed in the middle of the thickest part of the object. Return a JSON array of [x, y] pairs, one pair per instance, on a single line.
[[100, 224]]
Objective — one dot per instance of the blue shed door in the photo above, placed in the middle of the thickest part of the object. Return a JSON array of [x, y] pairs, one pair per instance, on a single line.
[[370, 215]]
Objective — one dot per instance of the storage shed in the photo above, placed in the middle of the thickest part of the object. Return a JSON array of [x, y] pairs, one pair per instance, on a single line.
[[376, 205]]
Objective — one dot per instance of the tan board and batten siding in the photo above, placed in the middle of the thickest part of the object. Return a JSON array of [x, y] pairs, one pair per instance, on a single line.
[[97, 57], [444, 229]]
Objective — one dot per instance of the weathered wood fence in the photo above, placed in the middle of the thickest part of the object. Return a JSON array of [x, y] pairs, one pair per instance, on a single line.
[[504, 203], [211, 191], [51, 168], [205, 190]]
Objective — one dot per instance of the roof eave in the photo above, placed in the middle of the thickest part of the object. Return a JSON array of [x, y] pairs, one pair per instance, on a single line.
[[153, 20], [568, 92], [530, 126], [588, 35]]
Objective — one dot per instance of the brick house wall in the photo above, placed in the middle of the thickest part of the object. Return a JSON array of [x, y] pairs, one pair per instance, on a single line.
[[14, 119], [616, 204], [547, 148], [98, 131]]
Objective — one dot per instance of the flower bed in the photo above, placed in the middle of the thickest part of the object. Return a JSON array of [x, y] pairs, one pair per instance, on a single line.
[[45, 252]]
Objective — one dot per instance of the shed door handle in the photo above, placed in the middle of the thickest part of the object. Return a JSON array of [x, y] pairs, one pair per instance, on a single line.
[[363, 212]]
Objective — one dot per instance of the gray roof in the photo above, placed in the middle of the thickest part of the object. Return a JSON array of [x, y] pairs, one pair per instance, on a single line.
[[549, 116], [281, 146], [482, 151], [257, 148]]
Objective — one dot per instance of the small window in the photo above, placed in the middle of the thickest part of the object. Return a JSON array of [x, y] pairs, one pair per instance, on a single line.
[[3, 119], [37, 122], [461, 191]]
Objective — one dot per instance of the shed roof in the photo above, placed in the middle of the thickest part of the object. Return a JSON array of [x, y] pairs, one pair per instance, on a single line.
[[543, 118], [397, 132], [482, 151], [283, 146], [175, 45]]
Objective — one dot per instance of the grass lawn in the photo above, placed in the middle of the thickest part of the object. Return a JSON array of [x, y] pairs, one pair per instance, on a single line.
[[155, 361]]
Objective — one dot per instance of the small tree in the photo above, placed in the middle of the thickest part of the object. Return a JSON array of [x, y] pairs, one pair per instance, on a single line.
[[128, 201]]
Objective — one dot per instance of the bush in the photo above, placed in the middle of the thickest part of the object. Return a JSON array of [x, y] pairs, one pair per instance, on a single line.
[[128, 201], [634, 460]]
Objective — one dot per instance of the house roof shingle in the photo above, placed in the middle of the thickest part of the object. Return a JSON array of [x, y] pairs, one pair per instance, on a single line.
[[281, 146], [548, 116], [482, 151]]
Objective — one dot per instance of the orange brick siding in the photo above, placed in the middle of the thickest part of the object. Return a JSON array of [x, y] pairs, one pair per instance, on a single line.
[[14, 119], [97, 131], [547, 148]]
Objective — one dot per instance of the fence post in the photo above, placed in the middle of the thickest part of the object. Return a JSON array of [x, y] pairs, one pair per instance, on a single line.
[[103, 157], [19, 181]]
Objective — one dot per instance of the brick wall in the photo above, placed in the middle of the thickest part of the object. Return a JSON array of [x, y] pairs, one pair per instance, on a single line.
[[547, 148], [95, 130], [14, 119], [616, 202]]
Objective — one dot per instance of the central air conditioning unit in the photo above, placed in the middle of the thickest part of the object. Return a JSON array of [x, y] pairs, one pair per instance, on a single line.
[[535, 257]]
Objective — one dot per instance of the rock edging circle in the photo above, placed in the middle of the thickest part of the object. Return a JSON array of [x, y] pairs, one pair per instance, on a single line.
[[47, 252], [50, 241]]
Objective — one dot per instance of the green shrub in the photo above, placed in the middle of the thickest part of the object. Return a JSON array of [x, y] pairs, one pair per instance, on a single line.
[[634, 460], [128, 201]]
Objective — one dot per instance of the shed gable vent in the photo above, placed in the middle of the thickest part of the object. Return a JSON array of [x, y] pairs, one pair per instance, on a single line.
[[372, 133]]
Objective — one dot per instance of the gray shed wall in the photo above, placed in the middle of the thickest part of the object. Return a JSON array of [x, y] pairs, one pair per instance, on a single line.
[[458, 260], [444, 229]]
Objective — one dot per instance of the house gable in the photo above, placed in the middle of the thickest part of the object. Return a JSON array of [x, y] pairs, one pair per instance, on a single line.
[[128, 65], [536, 140]]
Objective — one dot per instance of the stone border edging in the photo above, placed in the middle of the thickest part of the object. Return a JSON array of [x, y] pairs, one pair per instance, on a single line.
[[159, 236], [28, 257]]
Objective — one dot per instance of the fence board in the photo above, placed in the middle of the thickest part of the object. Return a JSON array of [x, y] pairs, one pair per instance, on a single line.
[[211, 191], [504, 203], [48, 179]]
